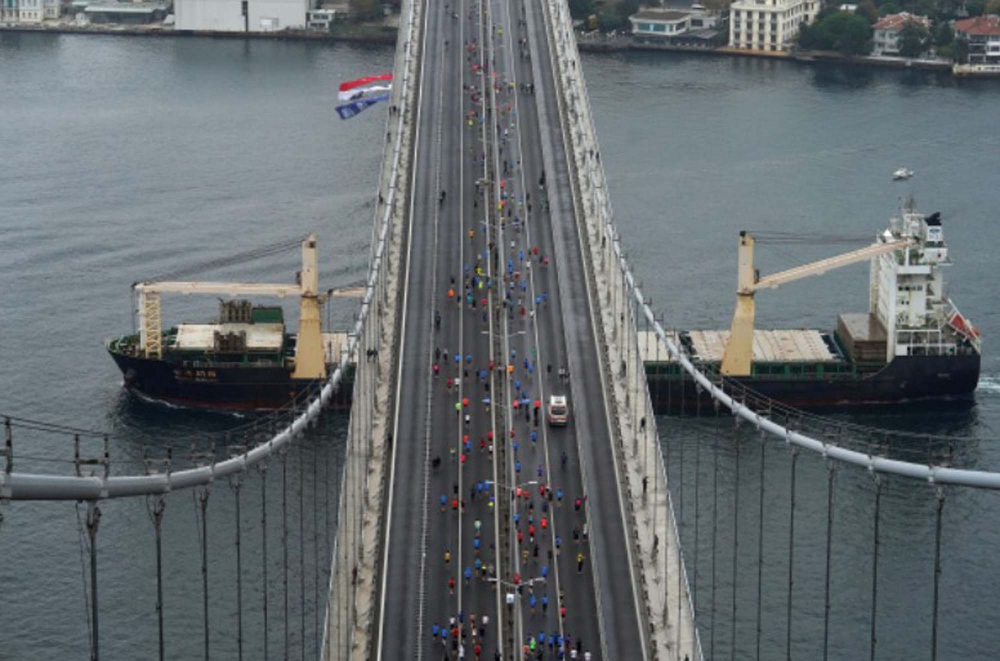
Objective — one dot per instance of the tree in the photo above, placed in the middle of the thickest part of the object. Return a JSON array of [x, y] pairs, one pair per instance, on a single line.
[[944, 35], [888, 8], [841, 31], [975, 7], [581, 8], [854, 35], [608, 21], [363, 10], [868, 10], [992, 7], [625, 9], [913, 39], [960, 51]]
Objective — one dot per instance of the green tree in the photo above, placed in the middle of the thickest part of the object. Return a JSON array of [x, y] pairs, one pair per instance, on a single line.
[[868, 10], [992, 7], [842, 31], [944, 34], [975, 7], [913, 39], [608, 20], [854, 34], [581, 8], [625, 9], [807, 37], [888, 8], [363, 10], [960, 51]]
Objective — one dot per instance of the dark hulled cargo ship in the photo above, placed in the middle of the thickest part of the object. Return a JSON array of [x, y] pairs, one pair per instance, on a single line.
[[244, 360], [912, 344]]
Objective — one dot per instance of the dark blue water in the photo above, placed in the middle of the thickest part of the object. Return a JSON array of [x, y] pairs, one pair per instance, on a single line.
[[121, 158]]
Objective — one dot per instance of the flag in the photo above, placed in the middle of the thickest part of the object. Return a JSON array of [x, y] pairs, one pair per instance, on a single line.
[[361, 82], [353, 108], [362, 92]]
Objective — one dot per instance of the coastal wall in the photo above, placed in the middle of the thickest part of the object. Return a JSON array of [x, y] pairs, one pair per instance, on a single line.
[[378, 34]]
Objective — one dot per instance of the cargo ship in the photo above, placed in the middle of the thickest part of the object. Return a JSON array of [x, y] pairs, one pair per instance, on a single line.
[[912, 343], [246, 360]]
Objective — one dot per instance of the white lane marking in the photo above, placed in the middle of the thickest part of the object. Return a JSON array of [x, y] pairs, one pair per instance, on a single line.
[[428, 425]]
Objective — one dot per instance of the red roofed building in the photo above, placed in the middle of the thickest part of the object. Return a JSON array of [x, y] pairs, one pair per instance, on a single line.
[[983, 35], [888, 29]]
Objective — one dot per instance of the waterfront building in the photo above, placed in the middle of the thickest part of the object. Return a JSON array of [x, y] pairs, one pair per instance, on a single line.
[[240, 15], [30, 11], [983, 35], [9, 11], [690, 26], [889, 28], [768, 25], [321, 19]]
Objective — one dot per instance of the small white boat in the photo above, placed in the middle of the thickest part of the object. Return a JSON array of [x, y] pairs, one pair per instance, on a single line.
[[901, 174]]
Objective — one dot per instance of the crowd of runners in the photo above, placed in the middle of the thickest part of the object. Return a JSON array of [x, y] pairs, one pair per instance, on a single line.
[[497, 395]]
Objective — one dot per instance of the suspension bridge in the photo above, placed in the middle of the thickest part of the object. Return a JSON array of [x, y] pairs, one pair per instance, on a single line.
[[449, 519]]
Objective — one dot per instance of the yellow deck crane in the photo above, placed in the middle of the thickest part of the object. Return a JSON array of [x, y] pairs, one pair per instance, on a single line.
[[310, 362], [737, 357]]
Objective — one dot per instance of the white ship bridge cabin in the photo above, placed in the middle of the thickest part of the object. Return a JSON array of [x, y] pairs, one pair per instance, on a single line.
[[908, 292]]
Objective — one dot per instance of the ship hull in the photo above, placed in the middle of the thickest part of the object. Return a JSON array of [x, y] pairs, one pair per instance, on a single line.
[[905, 379], [215, 388]]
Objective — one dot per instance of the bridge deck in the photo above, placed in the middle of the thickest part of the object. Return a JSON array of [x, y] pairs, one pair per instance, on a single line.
[[547, 323]]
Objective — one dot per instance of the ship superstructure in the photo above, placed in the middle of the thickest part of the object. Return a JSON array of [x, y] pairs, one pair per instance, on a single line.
[[908, 296]]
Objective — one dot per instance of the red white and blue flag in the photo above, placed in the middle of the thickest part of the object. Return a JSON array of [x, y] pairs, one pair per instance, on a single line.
[[362, 87]]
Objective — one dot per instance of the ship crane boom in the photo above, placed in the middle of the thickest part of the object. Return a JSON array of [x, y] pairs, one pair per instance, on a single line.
[[220, 288], [738, 354]]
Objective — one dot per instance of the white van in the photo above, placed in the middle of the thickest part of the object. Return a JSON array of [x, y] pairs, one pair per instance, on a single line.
[[558, 411]]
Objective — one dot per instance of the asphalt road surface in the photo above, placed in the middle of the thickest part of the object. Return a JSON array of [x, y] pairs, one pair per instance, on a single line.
[[493, 513]]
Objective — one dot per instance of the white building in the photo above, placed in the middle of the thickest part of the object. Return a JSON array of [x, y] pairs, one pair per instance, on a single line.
[[240, 15], [30, 11], [9, 11], [889, 28], [768, 25], [983, 35], [692, 25]]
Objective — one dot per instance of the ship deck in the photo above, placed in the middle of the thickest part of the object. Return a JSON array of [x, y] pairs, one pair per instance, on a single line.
[[769, 346]]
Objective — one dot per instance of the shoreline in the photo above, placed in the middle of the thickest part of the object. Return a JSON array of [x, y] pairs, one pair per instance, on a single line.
[[368, 34]]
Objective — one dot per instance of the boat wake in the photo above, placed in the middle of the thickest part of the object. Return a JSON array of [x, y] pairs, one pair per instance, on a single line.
[[989, 384]]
